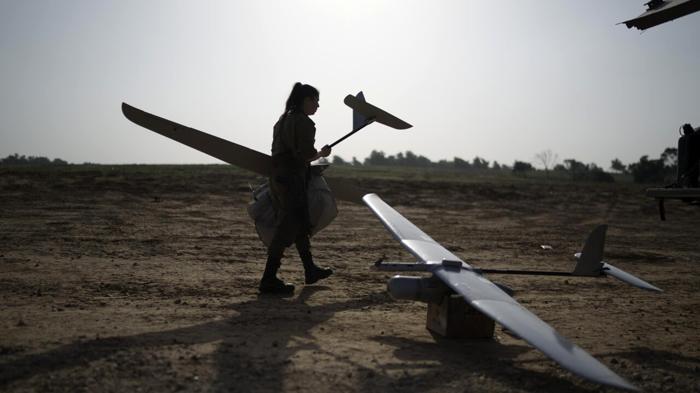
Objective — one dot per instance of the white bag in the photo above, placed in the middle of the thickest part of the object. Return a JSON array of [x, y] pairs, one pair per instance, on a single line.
[[322, 208]]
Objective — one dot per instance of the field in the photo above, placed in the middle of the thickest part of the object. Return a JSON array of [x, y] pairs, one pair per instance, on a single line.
[[144, 278]]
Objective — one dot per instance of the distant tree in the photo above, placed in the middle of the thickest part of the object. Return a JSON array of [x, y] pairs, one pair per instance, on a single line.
[[660, 170], [400, 159], [648, 171], [495, 165], [423, 161], [670, 158], [521, 167], [576, 169], [39, 161], [356, 162], [411, 159], [16, 159], [597, 174], [376, 158], [480, 163], [617, 166], [13, 159], [442, 164], [591, 172], [460, 163], [574, 166], [338, 160], [548, 159]]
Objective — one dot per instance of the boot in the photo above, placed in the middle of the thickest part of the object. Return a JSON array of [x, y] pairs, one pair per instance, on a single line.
[[270, 283], [315, 273], [312, 273], [274, 285]]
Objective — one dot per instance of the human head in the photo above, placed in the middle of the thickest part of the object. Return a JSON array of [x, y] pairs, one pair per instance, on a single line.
[[303, 98], [687, 129]]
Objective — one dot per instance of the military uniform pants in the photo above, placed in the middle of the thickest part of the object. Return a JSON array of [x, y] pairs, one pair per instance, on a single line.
[[289, 195]]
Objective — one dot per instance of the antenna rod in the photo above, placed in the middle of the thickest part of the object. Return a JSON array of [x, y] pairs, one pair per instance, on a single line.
[[369, 121]]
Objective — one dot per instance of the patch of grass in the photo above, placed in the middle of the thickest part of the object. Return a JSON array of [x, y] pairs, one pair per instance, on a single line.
[[184, 172], [471, 175]]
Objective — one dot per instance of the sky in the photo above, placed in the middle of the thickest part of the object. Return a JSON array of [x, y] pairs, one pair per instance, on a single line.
[[499, 79]]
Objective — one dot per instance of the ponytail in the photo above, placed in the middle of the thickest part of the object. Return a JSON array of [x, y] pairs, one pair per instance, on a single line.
[[296, 97]]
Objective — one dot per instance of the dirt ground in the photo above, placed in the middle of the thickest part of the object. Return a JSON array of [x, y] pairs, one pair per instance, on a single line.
[[137, 281]]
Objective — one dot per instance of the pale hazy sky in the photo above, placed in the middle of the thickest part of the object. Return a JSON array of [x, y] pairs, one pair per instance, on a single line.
[[502, 79]]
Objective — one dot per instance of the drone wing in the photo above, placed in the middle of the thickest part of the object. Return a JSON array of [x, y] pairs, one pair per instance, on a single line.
[[214, 146], [659, 12], [227, 151], [486, 297]]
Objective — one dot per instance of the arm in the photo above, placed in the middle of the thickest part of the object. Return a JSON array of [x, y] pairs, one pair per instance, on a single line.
[[324, 152], [305, 138]]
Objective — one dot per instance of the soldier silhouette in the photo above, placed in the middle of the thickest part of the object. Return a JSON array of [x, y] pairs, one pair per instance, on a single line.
[[292, 151]]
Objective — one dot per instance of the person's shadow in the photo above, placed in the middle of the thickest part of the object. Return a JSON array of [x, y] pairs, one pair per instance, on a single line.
[[254, 347], [262, 325]]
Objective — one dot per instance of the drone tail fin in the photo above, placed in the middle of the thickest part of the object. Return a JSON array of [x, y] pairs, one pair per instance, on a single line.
[[590, 259], [590, 262], [358, 119]]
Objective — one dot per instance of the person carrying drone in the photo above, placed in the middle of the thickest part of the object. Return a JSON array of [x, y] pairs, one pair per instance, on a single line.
[[292, 151]]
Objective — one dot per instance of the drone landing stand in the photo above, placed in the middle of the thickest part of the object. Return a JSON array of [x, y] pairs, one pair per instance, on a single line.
[[454, 318], [688, 194]]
